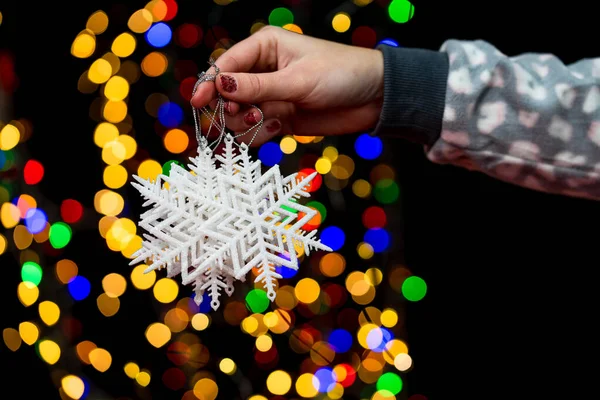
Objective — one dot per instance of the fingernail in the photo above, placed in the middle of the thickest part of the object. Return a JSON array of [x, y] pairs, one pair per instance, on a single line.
[[273, 126], [250, 118], [229, 84], [228, 107]]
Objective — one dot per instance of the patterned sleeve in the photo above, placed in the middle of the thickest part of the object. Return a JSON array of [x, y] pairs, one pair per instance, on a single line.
[[529, 120]]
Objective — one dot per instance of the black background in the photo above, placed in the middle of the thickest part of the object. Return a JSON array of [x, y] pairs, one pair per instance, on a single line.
[[512, 301]]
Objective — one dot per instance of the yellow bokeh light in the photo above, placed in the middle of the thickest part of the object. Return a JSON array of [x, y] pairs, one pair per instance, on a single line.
[[403, 362], [114, 61], [166, 290], [307, 290], [100, 359], [49, 351], [66, 270], [28, 293], [227, 366], [389, 318], [124, 45], [200, 321], [206, 389], [114, 284], [3, 243], [73, 386], [104, 133], [114, 153], [115, 111], [154, 64], [361, 188], [279, 382], [22, 237], [293, 28], [176, 319], [323, 165], [84, 45], [158, 334], [304, 139], [29, 332], [84, 349], [49, 312], [341, 22], [331, 153], [9, 215], [107, 305], [116, 89], [140, 21], [176, 141], [9, 137], [131, 370], [12, 339], [365, 250], [392, 349], [306, 385], [133, 244], [143, 378], [100, 71], [130, 145], [149, 169], [97, 22], [107, 202], [115, 176], [288, 144], [141, 280], [264, 343]]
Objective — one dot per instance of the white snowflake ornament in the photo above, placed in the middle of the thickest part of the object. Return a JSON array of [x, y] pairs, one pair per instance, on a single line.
[[213, 224]]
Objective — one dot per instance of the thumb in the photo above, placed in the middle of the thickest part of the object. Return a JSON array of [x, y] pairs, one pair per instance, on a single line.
[[258, 88]]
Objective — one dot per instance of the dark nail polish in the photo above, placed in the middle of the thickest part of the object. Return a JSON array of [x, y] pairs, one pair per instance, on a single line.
[[229, 84], [250, 118], [273, 126]]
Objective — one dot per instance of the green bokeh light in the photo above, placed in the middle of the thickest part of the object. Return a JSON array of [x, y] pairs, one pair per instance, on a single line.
[[166, 169], [281, 16], [31, 272], [414, 288], [386, 191], [257, 300], [320, 207], [401, 11], [60, 235], [389, 382]]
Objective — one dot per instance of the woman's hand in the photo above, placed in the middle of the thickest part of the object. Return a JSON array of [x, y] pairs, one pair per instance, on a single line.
[[303, 85]]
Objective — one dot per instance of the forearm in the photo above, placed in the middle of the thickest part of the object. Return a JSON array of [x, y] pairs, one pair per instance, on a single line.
[[529, 120]]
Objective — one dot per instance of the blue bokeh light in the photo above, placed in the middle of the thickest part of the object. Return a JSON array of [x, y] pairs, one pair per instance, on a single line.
[[378, 339], [35, 220], [333, 237], [205, 305], [326, 379], [378, 238], [79, 288], [285, 272], [389, 42], [159, 35], [340, 340], [368, 147], [170, 114], [2, 159], [270, 154]]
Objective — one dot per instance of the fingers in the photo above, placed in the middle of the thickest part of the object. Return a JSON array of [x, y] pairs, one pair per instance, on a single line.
[[257, 51], [275, 115]]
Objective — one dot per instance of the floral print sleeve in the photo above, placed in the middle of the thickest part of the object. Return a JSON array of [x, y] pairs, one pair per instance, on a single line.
[[529, 120]]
